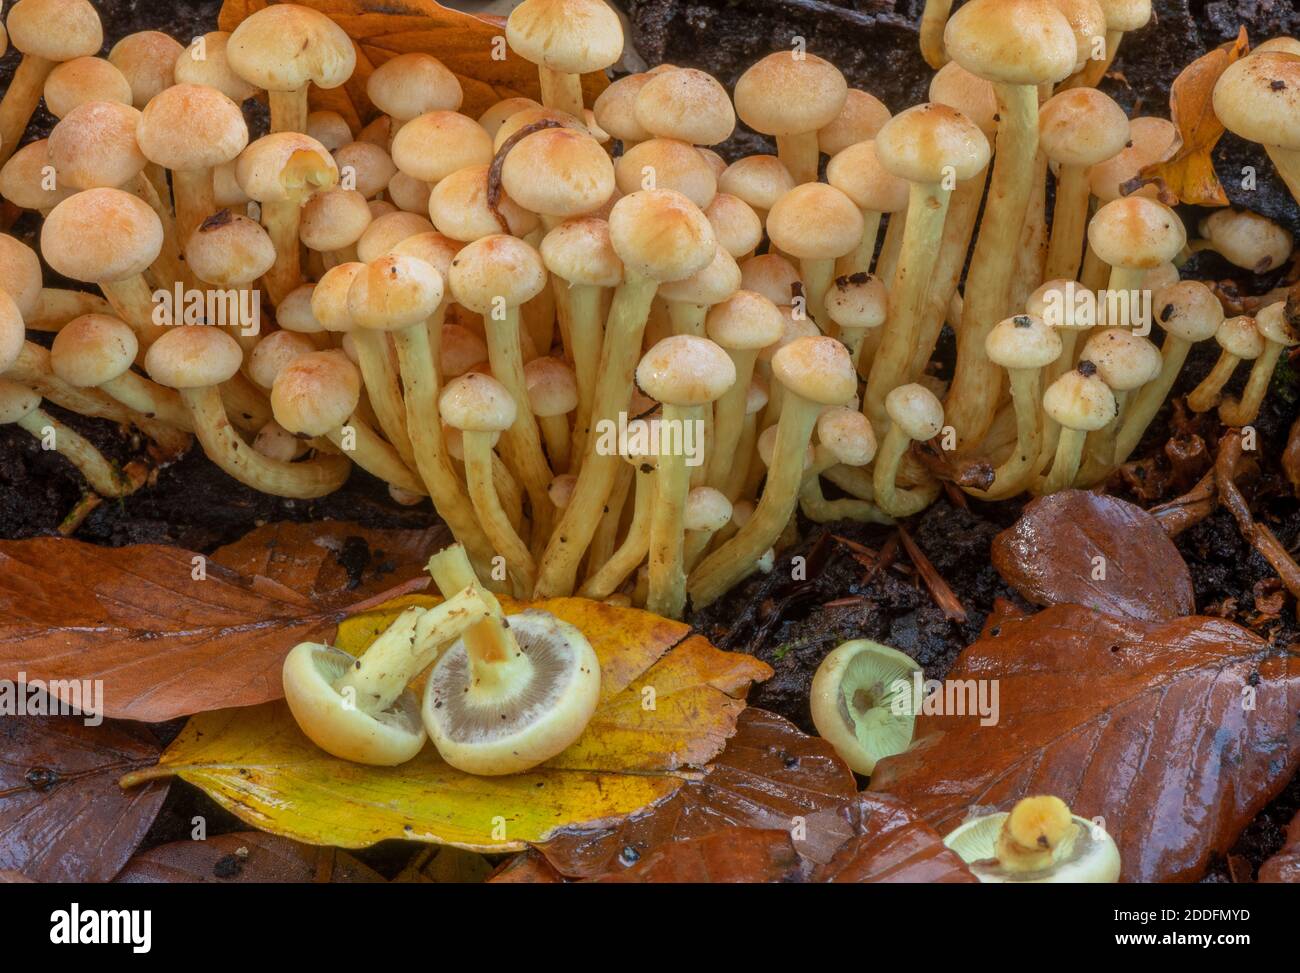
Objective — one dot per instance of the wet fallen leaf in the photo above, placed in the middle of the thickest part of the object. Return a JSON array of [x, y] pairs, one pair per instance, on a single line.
[[1076, 547], [731, 855], [1285, 865], [62, 816], [168, 632], [245, 857], [472, 46], [892, 845], [1188, 175], [256, 763], [1176, 733], [330, 560], [444, 866]]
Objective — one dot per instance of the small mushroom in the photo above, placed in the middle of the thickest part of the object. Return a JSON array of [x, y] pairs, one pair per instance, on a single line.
[[760, 180], [360, 709], [818, 224], [607, 577], [858, 303], [511, 693], [84, 79], [1038, 841], [1081, 403], [667, 164], [846, 440], [552, 395], [792, 95], [332, 222], [1258, 99], [1279, 334], [864, 702], [858, 173], [147, 59], [204, 62], [408, 85], [565, 39], [1239, 340], [915, 415], [1125, 362], [1246, 239]]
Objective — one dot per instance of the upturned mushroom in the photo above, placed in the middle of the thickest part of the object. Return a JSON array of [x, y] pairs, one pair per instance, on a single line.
[[195, 360], [1038, 841], [864, 702], [510, 694], [284, 49], [814, 372], [1277, 329], [1239, 340], [565, 39], [686, 374], [360, 709], [792, 95], [1245, 239]]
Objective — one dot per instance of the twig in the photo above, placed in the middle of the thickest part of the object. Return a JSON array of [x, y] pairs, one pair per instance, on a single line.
[[1191, 508], [1260, 537], [940, 590]]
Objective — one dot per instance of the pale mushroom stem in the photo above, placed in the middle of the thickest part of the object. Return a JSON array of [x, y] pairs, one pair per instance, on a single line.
[[893, 500], [59, 305], [737, 473], [1149, 399], [561, 91], [483, 494], [933, 20], [585, 326], [604, 540], [801, 155], [132, 301], [20, 101], [372, 453], [103, 477], [1245, 410], [555, 431], [619, 354], [288, 110], [859, 261], [605, 581], [417, 350], [280, 219], [1205, 396], [667, 532], [169, 267], [1017, 471], [973, 396], [818, 275], [301, 481], [1065, 465], [405, 648], [195, 201], [729, 420], [927, 210], [687, 318], [1069, 225], [738, 557], [385, 390], [149, 398], [490, 642], [1287, 163]]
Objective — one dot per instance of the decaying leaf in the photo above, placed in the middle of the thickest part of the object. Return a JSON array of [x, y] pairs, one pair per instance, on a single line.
[[1285, 865], [62, 816], [257, 763], [1188, 175], [330, 560], [168, 632], [245, 857], [1176, 733], [1076, 547], [472, 46], [729, 855]]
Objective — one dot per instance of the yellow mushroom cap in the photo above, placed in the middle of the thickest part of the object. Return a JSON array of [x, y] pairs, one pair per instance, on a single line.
[[735, 224], [458, 207], [552, 386], [285, 47], [394, 292], [858, 173], [20, 274], [1136, 232], [1274, 325], [228, 249], [12, 332], [94, 146], [333, 219], [858, 121], [1079, 399], [475, 402], [558, 172], [760, 180], [815, 221], [316, 393], [93, 349], [712, 284], [17, 402], [1126, 15], [388, 231], [101, 235], [685, 104], [685, 370], [273, 352], [744, 321], [570, 36], [816, 368], [147, 59], [1239, 337], [771, 275], [432, 146], [84, 79], [411, 84], [1082, 127], [56, 30], [1023, 341], [496, 268], [858, 300], [189, 126], [674, 164], [1124, 361], [213, 68], [581, 252], [1189, 310], [970, 94], [847, 433], [916, 411], [191, 357], [1022, 42], [285, 166], [661, 234], [707, 509], [921, 143], [787, 94]]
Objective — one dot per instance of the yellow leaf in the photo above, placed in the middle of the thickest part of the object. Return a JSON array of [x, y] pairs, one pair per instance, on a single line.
[[1188, 175], [669, 700], [380, 29]]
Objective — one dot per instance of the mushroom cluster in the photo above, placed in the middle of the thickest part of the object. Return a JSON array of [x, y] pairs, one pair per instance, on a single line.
[[615, 362]]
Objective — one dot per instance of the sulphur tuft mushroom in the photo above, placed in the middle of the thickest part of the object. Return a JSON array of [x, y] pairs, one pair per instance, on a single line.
[[864, 702]]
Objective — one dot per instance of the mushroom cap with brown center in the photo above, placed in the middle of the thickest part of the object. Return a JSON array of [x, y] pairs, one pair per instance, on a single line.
[[615, 108], [229, 250], [858, 121], [857, 172], [1080, 399], [1019, 42], [1082, 127], [815, 221], [496, 268], [816, 368], [570, 36], [1124, 361], [194, 356], [661, 234], [84, 79], [737, 227], [1023, 341], [56, 30], [858, 300], [387, 231], [432, 146], [394, 292], [93, 349], [921, 143], [101, 235], [316, 393], [788, 93], [411, 84], [744, 321], [685, 370], [1136, 232], [558, 172], [771, 275], [916, 411], [95, 145], [475, 402], [213, 68], [1188, 310], [685, 104], [285, 166], [581, 252], [189, 126], [1239, 337], [552, 386], [285, 47], [147, 59]]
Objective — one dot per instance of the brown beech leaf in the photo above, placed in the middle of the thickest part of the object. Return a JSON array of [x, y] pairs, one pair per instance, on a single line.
[[746, 855], [62, 816], [1188, 175], [245, 857], [526, 868], [892, 844], [164, 644], [1176, 733], [1285, 865], [1050, 556], [468, 44], [769, 774], [331, 560]]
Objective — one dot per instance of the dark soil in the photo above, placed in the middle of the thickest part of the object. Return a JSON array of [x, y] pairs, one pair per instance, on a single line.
[[789, 624]]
